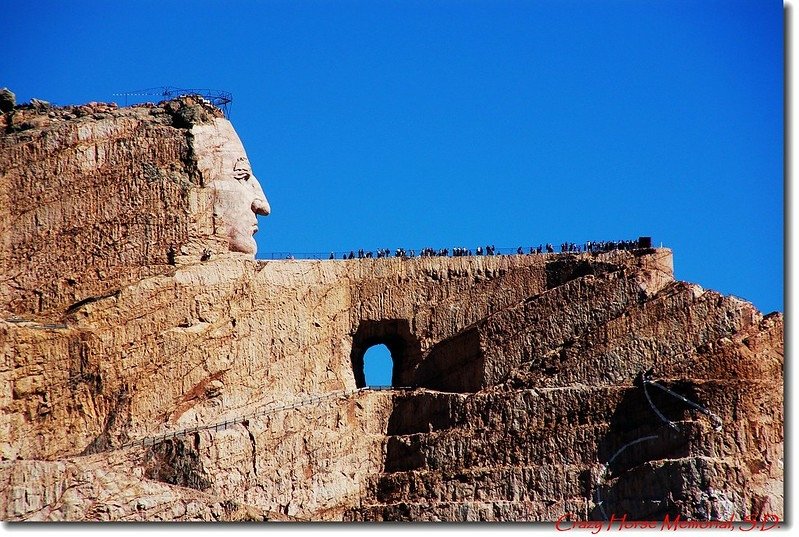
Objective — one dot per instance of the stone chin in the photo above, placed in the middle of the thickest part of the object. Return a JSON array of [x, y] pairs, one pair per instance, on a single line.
[[243, 244]]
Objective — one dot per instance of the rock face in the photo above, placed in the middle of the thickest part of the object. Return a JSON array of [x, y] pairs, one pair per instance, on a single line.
[[7, 100], [95, 198], [152, 370]]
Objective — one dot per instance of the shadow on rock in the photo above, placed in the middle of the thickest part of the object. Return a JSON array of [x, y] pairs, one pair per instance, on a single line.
[[633, 484]]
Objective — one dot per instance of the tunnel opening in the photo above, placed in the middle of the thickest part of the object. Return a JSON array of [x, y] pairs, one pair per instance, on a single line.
[[397, 353], [378, 366]]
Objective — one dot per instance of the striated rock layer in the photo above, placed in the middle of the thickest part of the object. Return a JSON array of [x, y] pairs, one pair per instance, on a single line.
[[148, 373]]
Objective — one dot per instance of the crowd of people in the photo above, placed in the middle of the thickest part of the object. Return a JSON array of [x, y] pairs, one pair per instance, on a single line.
[[600, 246], [459, 251]]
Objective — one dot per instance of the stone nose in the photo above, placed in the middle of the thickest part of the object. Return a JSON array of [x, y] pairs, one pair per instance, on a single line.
[[261, 206]]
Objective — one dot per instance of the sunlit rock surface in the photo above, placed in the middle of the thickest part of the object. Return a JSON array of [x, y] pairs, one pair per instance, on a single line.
[[126, 316]]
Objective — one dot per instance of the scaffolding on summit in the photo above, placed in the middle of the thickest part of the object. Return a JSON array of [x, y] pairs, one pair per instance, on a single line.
[[219, 98]]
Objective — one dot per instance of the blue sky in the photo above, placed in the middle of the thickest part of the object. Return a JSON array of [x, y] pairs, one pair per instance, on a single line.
[[383, 124]]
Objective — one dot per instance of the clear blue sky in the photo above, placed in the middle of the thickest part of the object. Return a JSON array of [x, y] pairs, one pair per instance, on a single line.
[[382, 124]]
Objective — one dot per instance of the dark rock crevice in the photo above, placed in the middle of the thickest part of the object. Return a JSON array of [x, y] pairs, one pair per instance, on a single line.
[[177, 462]]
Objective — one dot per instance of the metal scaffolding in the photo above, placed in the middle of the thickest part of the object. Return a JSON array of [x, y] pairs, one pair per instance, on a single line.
[[219, 98]]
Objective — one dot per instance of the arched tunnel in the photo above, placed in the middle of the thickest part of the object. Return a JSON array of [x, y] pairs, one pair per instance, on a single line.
[[396, 335]]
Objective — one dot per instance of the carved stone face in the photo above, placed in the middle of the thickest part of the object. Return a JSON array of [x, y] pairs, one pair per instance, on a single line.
[[238, 196], [236, 203]]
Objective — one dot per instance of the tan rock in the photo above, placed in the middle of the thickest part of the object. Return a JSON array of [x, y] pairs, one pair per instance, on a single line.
[[237, 194], [135, 388]]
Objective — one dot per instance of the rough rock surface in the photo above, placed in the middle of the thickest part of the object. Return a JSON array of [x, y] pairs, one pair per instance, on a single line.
[[96, 197], [527, 401], [7, 100]]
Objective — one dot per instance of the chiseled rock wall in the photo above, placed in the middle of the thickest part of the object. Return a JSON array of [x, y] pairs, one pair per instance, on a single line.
[[97, 197], [534, 445], [526, 368]]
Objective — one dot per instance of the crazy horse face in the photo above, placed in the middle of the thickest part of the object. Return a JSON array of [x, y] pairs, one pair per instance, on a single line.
[[236, 204], [237, 195]]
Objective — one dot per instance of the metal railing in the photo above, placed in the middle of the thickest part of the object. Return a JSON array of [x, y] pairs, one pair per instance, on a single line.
[[265, 410], [219, 98], [448, 252]]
